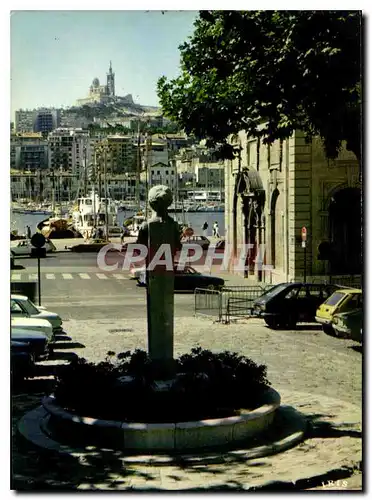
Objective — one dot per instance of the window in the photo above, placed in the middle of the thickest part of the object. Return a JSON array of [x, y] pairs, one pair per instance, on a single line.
[[15, 308], [166, 172], [354, 301], [335, 299], [292, 293]]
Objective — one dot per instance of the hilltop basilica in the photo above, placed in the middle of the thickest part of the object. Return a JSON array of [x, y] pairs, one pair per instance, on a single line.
[[100, 93]]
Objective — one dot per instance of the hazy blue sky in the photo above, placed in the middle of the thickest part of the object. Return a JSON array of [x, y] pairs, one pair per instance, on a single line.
[[56, 54]]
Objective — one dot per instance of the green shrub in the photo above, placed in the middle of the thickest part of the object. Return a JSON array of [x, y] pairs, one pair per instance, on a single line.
[[208, 385]]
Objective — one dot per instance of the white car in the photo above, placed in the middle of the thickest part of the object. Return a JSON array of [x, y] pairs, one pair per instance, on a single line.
[[35, 325], [24, 247], [136, 272], [21, 306]]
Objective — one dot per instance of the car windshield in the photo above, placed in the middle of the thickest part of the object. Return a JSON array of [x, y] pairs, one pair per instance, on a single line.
[[190, 270], [334, 299], [30, 307], [274, 290]]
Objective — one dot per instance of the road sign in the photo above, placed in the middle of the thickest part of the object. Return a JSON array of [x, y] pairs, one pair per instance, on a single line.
[[189, 232], [38, 240], [304, 234]]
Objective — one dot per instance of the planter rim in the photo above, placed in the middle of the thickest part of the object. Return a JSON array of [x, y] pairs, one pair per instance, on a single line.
[[271, 401]]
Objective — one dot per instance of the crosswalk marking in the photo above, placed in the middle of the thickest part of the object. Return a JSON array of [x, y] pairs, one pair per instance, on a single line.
[[68, 276]]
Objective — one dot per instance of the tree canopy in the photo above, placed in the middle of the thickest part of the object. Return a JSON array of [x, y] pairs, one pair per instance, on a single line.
[[269, 73]]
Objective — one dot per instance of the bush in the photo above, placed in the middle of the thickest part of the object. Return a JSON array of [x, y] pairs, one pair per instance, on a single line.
[[208, 385]]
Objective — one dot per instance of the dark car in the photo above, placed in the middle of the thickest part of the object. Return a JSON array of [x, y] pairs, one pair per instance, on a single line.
[[38, 342], [22, 360], [188, 279], [286, 304], [220, 245], [196, 240], [12, 261]]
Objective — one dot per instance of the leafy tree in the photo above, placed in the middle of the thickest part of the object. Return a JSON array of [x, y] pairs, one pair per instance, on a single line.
[[270, 73]]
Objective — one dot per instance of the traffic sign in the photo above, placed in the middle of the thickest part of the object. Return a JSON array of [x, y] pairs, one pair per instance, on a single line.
[[38, 240], [189, 232], [304, 234]]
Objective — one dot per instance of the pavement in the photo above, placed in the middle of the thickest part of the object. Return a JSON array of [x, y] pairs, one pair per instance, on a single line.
[[318, 375]]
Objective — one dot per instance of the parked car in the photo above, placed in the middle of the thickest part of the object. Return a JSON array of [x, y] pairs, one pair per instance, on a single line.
[[34, 325], [22, 360], [136, 272], [188, 279], [38, 342], [22, 306], [285, 304], [342, 300], [220, 245], [196, 240], [12, 261], [24, 247], [349, 325]]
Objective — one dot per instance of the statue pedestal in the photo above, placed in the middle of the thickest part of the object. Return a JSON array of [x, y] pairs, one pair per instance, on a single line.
[[160, 304]]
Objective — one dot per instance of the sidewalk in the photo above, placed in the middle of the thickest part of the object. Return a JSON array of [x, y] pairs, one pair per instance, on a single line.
[[316, 375]]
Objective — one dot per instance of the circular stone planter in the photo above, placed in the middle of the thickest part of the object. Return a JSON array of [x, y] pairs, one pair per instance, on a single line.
[[157, 436]]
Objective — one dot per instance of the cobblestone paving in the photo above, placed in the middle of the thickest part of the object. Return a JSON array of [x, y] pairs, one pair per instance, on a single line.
[[319, 375]]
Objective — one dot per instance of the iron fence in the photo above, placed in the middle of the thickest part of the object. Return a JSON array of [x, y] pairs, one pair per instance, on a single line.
[[208, 303], [228, 301], [344, 281]]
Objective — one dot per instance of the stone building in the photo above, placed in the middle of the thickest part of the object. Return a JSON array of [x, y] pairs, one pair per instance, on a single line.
[[100, 93], [271, 193]]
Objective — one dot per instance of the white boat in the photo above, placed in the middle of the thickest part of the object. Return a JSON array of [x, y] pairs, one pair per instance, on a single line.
[[90, 213], [136, 222]]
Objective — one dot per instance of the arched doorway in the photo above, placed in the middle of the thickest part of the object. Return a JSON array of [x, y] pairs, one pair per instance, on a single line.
[[345, 231], [273, 224]]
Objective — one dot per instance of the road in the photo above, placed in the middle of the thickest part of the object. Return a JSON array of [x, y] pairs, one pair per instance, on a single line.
[[74, 286]]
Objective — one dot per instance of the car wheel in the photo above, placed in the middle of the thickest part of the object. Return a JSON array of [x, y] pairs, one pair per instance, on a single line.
[[210, 287], [272, 323], [328, 330], [291, 322]]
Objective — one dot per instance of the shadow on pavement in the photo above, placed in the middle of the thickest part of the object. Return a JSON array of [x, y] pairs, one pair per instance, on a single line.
[[62, 356], [17, 267], [67, 345], [103, 469], [357, 348]]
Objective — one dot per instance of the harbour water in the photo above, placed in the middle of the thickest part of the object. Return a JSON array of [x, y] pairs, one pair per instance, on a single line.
[[192, 219]]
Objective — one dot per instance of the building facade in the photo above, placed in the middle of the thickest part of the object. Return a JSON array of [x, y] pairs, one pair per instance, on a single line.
[[210, 175], [69, 150], [46, 120], [122, 157], [24, 120], [28, 151], [162, 173], [273, 192]]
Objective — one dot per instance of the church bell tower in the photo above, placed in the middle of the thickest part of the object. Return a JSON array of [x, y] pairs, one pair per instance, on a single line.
[[111, 82]]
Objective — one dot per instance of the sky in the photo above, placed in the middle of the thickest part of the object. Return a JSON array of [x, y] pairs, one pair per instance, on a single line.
[[56, 54]]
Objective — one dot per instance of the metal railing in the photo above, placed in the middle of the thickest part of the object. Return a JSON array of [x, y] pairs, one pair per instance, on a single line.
[[208, 303], [344, 281], [227, 302]]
